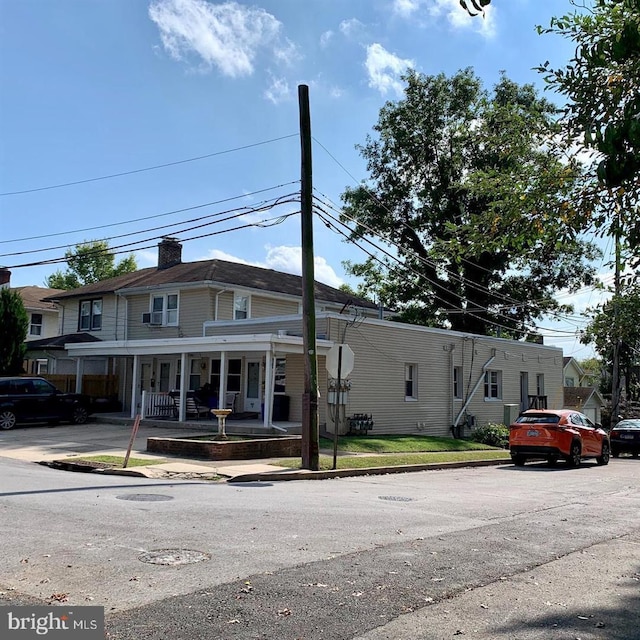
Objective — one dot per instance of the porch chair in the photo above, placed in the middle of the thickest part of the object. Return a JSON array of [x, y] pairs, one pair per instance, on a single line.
[[230, 401], [194, 407]]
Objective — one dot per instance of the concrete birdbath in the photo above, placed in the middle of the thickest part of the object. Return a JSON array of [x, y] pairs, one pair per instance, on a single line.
[[221, 414]]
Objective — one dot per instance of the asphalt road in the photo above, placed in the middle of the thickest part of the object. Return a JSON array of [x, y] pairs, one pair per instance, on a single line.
[[489, 553]]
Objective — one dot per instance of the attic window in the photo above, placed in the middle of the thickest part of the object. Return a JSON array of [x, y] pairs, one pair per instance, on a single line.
[[241, 307]]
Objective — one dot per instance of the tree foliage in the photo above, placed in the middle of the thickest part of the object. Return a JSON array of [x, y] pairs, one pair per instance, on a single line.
[[14, 323], [618, 317], [471, 191], [90, 262], [602, 86]]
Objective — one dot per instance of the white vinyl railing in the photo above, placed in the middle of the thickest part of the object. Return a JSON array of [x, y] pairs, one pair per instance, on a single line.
[[157, 405]]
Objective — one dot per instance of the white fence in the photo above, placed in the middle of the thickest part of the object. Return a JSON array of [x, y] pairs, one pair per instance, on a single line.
[[158, 405]]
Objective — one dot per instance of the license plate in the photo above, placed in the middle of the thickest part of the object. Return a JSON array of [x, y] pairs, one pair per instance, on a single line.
[[627, 436], [533, 433]]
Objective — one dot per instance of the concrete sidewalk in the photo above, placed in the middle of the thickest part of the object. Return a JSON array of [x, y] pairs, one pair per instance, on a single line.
[[57, 446]]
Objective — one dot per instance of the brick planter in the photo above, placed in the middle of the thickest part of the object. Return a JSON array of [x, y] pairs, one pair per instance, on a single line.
[[284, 447]]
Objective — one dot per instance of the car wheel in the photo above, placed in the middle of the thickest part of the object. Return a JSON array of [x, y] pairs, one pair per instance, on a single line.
[[575, 454], [603, 458], [80, 414], [635, 454], [518, 459], [615, 454], [7, 419], [551, 461]]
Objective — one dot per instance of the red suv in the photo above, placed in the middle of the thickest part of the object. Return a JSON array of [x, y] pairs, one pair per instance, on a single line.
[[550, 434]]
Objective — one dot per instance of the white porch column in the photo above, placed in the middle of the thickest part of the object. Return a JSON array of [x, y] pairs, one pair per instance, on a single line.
[[184, 387], [134, 385], [79, 370], [222, 390], [269, 372]]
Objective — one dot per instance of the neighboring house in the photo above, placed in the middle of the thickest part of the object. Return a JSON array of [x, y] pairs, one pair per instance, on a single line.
[[237, 329], [587, 400], [43, 318], [578, 394]]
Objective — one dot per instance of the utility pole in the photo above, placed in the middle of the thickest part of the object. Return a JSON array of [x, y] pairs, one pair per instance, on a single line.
[[310, 431], [615, 377]]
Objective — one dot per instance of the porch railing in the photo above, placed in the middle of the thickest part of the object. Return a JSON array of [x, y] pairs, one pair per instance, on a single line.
[[157, 405]]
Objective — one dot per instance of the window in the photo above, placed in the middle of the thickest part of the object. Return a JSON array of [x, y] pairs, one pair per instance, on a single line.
[[90, 315], [569, 382], [540, 384], [241, 307], [233, 375], [164, 309], [194, 375], [410, 379], [492, 385], [280, 375], [457, 382], [35, 327]]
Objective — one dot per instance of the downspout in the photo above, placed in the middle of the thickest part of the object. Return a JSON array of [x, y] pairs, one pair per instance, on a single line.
[[475, 388]]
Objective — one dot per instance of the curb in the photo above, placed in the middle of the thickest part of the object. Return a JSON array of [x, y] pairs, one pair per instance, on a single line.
[[299, 474], [278, 476]]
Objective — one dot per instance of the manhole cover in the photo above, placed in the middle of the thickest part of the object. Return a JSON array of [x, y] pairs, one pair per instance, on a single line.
[[396, 498], [145, 497], [172, 557]]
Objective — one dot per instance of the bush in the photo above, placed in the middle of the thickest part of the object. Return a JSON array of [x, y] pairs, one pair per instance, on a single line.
[[493, 435]]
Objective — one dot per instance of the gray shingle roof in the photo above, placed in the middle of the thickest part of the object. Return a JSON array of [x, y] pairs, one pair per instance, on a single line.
[[215, 271]]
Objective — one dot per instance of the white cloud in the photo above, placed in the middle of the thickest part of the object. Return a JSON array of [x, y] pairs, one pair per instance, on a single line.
[[384, 69], [286, 259], [449, 10], [326, 38], [405, 8], [278, 90], [353, 29], [227, 36]]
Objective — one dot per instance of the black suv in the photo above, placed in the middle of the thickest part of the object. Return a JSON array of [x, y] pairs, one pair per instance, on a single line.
[[30, 399]]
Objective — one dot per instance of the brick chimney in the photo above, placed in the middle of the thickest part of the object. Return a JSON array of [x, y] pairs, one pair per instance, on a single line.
[[169, 253], [5, 277]]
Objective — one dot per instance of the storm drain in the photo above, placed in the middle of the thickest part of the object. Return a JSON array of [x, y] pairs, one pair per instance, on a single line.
[[396, 498], [145, 497], [173, 557]]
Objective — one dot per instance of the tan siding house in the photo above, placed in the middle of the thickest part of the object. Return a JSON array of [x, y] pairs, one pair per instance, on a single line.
[[233, 333]]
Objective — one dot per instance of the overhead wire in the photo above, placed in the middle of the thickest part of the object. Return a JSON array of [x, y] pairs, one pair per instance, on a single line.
[[242, 211], [151, 217], [152, 168]]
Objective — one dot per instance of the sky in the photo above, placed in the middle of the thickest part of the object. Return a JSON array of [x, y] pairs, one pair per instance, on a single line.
[[128, 120]]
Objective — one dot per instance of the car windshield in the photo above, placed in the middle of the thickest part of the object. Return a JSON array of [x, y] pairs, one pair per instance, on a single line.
[[538, 418], [628, 424]]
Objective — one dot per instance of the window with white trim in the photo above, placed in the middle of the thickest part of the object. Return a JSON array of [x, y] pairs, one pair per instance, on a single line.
[[540, 384], [410, 382], [280, 375], [493, 385], [164, 309], [90, 315], [240, 307], [35, 326], [457, 383]]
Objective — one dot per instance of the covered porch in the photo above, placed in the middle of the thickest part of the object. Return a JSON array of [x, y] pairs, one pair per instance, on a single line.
[[258, 370]]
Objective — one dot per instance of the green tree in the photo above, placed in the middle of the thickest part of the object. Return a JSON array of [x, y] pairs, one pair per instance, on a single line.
[[90, 262], [14, 323], [619, 317], [471, 192], [602, 86]]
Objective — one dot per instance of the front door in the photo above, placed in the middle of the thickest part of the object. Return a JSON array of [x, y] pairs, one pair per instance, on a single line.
[[253, 387]]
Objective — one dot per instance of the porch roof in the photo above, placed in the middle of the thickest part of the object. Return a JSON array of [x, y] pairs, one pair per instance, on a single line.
[[213, 344]]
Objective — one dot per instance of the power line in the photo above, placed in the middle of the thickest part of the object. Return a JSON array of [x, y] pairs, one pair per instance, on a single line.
[[128, 247], [153, 168], [152, 217], [237, 212]]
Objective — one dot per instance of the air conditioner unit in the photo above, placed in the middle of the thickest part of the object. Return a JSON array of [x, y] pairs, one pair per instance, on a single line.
[[147, 318]]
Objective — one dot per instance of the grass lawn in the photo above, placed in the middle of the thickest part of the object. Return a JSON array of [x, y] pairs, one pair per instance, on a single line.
[[117, 461], [402, 444], [399, 459]]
